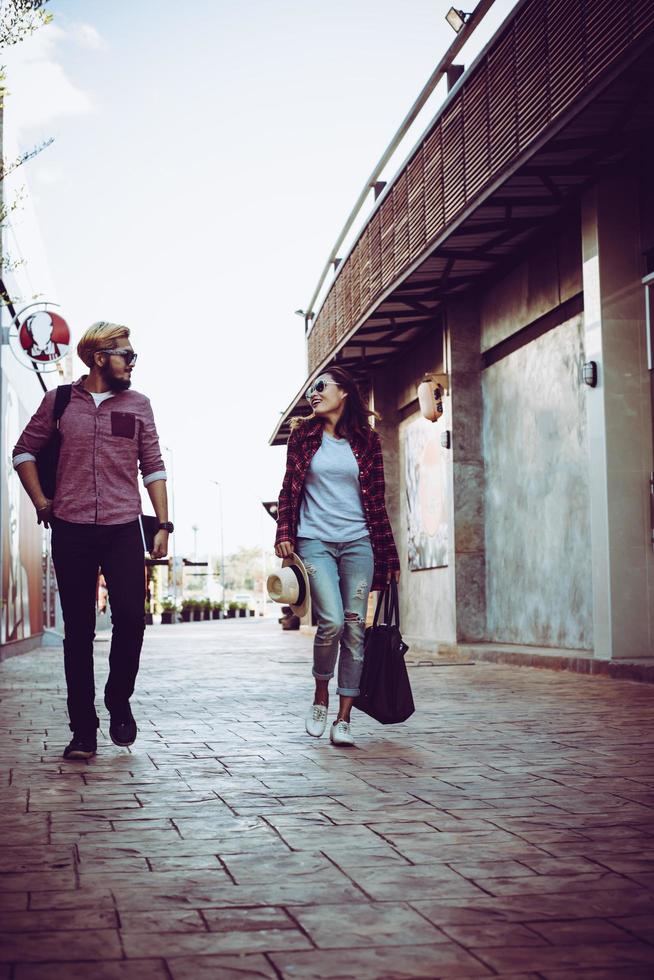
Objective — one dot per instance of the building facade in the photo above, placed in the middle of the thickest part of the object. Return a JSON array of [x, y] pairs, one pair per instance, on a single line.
[[30, 608], [511, 254]]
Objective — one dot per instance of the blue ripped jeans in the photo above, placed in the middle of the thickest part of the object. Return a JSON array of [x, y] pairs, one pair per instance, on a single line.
[[340, 576]]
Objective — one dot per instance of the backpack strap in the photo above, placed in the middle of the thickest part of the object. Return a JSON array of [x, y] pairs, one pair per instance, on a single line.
[[62, 399]]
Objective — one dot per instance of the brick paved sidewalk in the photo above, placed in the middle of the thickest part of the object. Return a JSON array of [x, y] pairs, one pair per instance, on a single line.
[[505, 830]]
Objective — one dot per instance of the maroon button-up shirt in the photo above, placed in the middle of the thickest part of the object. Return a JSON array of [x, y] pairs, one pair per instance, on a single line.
[[101, 450], [303, 444]]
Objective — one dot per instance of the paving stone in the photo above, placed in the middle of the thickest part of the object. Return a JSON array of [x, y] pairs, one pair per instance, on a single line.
[[13, 901], [221, 968], [117, 970], [84, 944], [249, 868], [181, 894], [493, 934], [366, 857], [388, 923], [408, 883], [580, 931], [163, 920], [45, 881], [504, 830], [634, 973], [387, 962], [49, 920], [618, 957], [38, 858], [138, 944], [224, 920], [78, 898], [490, 869]]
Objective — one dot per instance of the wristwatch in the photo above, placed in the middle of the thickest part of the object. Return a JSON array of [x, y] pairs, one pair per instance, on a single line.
[[167, 526]]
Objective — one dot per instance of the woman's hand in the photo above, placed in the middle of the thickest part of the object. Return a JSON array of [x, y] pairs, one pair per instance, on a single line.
[[393, 575], [284, 549]]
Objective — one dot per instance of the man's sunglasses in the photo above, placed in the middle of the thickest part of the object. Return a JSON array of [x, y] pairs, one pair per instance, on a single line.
[[129, 356], [318, 386]]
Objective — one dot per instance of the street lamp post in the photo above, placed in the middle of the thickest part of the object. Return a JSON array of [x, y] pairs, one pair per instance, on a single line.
[[172, 507], [222, 538]]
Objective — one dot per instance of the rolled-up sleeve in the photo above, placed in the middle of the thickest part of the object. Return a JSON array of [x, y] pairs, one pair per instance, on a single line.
[[37, 432], [150, 459]]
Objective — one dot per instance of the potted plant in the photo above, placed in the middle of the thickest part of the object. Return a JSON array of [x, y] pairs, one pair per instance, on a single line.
[[187, 610], [231, 610], [167, 612], [148, 615], [217, 610], [242, 610], [252, 612], [206, 608]]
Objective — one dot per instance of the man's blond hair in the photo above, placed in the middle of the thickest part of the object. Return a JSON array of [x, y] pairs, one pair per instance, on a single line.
[[100, 336]]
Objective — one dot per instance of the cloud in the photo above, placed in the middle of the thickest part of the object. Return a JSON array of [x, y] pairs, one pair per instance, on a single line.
[[87, 36], [39, 90]]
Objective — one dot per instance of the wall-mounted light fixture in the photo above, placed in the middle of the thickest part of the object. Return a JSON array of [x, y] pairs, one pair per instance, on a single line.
[[457, 18], [430, 395], [589, 374]]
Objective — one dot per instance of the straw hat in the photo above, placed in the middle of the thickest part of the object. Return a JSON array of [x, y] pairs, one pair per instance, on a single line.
[[290, 585]]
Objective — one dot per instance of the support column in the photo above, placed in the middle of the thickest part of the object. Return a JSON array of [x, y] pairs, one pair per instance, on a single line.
[[619, 422], [464, 362]]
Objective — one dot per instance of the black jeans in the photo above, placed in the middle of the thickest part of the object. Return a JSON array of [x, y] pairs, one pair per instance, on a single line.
[[78, 551]]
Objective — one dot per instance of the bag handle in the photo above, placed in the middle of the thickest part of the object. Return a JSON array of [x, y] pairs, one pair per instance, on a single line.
[[390, 599], [393, 618], [380, 599]]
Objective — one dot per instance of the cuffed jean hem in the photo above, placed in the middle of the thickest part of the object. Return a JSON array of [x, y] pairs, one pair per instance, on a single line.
[[348, 692], [322, 677]]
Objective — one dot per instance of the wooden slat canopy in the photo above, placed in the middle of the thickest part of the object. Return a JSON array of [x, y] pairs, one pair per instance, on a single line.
[[564, 89]]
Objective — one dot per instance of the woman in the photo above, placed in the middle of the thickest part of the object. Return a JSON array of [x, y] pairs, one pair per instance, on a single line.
[[332, 514]]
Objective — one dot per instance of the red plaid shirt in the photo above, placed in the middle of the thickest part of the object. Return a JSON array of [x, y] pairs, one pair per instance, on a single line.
[[303, 444]]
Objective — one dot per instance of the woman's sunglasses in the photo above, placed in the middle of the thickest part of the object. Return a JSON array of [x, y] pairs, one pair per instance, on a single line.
[[318, 386], [129, 356]]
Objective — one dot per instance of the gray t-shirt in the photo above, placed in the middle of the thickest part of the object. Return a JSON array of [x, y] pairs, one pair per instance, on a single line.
[[331, 508]]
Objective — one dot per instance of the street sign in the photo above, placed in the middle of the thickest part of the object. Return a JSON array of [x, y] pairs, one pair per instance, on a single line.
[[39, 337]]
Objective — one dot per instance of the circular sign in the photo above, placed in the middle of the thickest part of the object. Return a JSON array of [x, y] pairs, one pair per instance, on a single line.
[[39, 336]]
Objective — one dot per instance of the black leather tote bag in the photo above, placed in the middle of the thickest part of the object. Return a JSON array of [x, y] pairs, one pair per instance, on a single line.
[[385, 688]]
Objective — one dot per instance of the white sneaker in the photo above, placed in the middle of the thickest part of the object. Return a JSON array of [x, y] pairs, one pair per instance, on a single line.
[[340, 733], [316, 720]]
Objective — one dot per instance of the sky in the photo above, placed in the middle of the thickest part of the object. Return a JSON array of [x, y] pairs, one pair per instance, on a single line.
[[205, 158]]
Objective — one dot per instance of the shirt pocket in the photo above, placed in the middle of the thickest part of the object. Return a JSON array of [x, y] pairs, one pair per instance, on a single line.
[[123, 424]]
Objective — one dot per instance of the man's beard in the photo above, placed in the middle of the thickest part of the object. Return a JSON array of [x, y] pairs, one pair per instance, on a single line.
[[115, 384]]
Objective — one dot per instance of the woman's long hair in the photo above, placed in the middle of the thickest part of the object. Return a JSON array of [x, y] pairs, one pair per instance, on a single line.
[[355, 420]]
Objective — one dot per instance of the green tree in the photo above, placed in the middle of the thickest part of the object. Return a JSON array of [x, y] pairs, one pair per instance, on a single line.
[[244, 569]]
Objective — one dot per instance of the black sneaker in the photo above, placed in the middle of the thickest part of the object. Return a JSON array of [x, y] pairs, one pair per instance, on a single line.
[[81, 747], [122, 728]]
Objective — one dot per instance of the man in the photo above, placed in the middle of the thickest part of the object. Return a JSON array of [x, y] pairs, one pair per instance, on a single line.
[[106, 431]]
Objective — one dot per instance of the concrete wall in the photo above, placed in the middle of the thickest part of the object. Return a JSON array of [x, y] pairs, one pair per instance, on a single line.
[[548, 479], [538, 556], [620, 417], [549, 275]]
